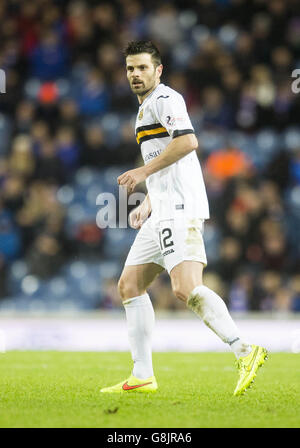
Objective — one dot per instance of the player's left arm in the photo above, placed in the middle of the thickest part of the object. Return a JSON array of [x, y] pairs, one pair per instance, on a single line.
[[172, 114], [178, 147]]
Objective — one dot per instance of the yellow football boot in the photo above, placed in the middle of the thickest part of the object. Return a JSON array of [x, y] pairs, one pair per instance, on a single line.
[[133, 384], [248, 366]]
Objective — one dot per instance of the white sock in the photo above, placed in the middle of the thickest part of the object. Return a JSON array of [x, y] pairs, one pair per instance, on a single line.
[[212, 309], [140, 323]]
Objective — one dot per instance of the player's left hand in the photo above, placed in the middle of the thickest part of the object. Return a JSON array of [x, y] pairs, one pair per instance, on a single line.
[[130, 179]]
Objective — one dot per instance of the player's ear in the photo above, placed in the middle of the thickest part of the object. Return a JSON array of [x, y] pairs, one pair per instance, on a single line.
[[159, 70]]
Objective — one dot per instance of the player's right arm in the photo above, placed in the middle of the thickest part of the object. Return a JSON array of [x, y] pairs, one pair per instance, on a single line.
[[139, 215]]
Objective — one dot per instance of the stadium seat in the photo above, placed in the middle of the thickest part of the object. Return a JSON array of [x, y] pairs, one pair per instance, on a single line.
[[212, 141], [291, 138], [117, 242]]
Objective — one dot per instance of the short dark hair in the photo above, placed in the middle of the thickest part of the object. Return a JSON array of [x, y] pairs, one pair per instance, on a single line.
[[143, 46]]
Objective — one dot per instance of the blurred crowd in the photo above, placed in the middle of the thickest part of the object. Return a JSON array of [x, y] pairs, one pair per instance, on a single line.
[[68, 107]]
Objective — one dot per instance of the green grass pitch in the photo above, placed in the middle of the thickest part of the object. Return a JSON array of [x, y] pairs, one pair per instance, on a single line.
[[61, 389]]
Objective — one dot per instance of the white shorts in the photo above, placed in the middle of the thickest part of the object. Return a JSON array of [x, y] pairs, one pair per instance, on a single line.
[[168, 243]]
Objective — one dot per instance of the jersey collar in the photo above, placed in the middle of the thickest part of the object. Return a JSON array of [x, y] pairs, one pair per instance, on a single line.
[[149, 96]]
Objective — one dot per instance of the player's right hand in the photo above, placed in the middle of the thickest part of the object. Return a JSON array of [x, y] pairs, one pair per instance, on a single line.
[[138, 216]]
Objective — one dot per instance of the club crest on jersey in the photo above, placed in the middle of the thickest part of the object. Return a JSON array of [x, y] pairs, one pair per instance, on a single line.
[[141, 114]]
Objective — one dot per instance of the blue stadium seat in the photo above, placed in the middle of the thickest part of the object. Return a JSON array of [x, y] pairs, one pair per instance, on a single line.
[[181, 54], [212, 239], [211, 141], [200, 34], [293, 200], [228, 35], [268, 142], [111, 125], [291, 138], [66, 195], [117, 242], [85, 176], [241, 141], [32, 286], [17, 271], [110, 269]]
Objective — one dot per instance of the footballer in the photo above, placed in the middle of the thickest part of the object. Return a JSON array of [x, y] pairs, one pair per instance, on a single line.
[[171, 224]]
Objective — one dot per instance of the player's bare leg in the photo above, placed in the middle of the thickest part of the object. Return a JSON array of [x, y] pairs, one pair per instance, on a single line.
[[186, 279], [135, 280], [133, 285]]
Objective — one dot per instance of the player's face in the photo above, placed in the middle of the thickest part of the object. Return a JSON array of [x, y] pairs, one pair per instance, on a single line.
[[142, 75]]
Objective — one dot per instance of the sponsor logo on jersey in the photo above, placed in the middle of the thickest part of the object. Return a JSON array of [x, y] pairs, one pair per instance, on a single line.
[[152, 155], [141, 114]]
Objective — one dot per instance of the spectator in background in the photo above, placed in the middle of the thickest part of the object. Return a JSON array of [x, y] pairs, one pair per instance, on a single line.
[[81, 31], [68, 150], [237, 226], [163, 23], [69, 114], [13, 193], [229, 261], [93, 98], [95, 152], [10, 245], [25, 115], [134, 20], [28, 27], [283, 108], [235, 76], [270, 195], [106, 23], [244, 52], [278, 170], [179, 82], [44, 256], [88, 239], [231, 86], [49, 166], [274, 252], [21, 161], [228, 162], [264, 291], [108, 59], [3, 170], [295, 167], [40, 132], [122, 102], [41, 212], [246, 112], [49, 59], [241, 291], [10, 241], [127, 151], [216, 112], [283, 300]]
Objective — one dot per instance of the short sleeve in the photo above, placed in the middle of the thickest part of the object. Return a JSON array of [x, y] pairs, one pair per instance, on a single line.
[[172, 114]]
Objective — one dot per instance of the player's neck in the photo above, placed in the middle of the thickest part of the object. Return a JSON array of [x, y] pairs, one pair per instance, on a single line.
[[141, 99]]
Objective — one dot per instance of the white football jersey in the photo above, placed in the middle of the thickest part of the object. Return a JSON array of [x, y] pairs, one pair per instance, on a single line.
[[179, 187]]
